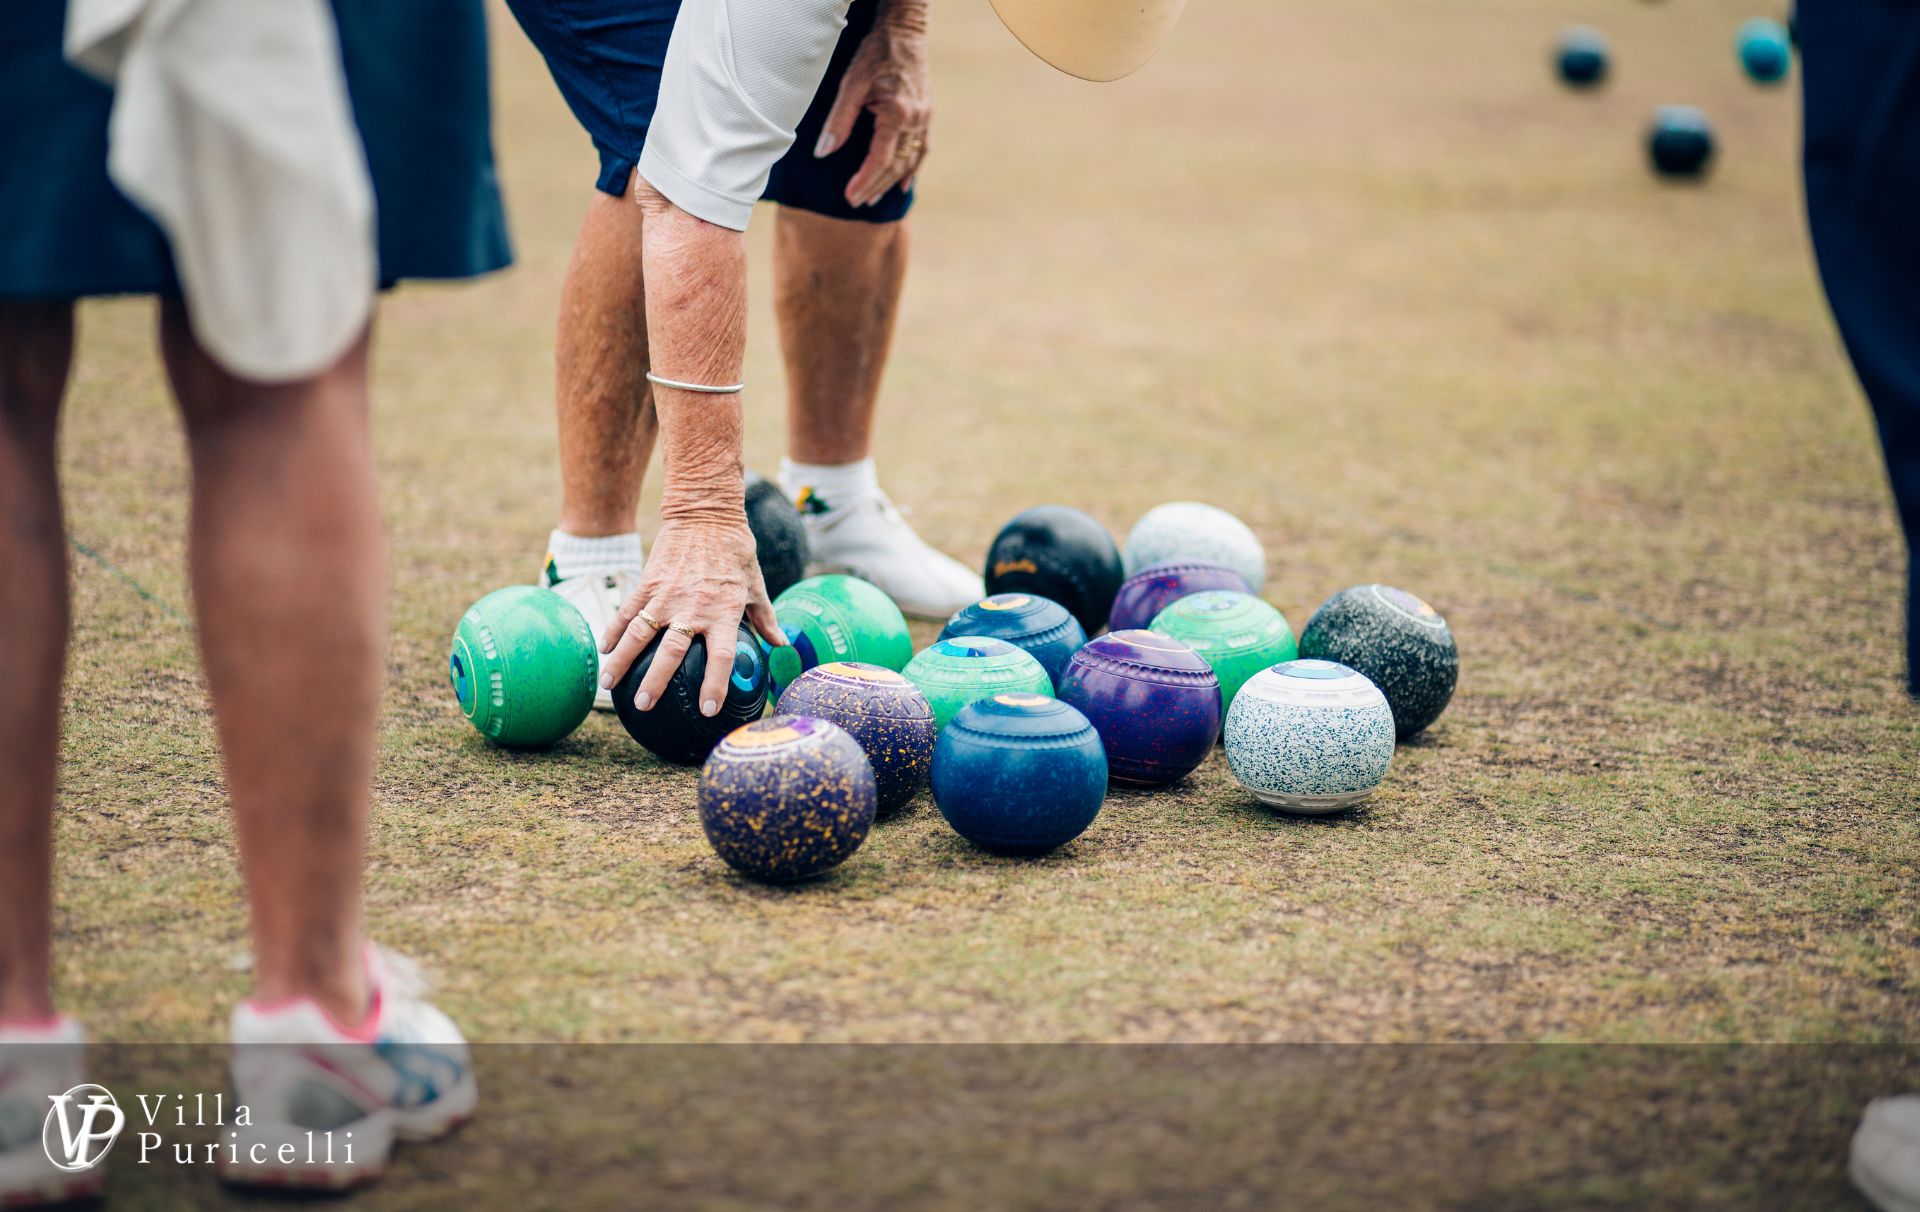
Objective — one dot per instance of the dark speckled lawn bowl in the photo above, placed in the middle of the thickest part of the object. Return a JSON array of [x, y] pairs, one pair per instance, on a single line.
[[787, 798], [1399, 642], [1154, 701], [884, 712]]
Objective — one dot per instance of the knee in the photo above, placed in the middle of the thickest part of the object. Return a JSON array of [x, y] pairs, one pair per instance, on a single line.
[[36, 348], [217, 405]]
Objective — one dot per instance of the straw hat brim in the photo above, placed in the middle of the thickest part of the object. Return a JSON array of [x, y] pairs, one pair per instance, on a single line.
[[1091, 39]]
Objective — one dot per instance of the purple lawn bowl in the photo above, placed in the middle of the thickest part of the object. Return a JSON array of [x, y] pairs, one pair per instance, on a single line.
[[1155, 703], [1154, 588]]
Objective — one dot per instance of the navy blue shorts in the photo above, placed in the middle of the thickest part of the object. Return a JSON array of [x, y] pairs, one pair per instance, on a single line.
[[1860, 64], [606, 54], [416, 75]]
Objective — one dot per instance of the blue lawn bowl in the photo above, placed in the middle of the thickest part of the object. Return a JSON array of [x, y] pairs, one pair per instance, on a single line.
[[1581, 57], [1041, 626], [1766, 50], [1019, 774], [1681, 143]]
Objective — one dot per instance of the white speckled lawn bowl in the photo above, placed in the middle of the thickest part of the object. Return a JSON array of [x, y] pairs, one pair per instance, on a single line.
[[1188, 530], [1310, 737]]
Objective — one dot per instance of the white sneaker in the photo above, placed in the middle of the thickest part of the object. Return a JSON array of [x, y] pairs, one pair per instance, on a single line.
[[598, 596], [1886, 1154], [326, 1104], [870, 540], [35, 1065]]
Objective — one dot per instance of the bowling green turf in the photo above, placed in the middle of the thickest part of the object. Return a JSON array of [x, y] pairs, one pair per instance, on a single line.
[[1361, 273]]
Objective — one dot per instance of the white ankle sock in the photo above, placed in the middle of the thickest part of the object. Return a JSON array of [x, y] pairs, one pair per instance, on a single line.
[[569, 555], [822, 488]]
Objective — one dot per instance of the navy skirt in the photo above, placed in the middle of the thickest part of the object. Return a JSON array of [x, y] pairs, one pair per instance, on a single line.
[[417, 75], [1860, 62]]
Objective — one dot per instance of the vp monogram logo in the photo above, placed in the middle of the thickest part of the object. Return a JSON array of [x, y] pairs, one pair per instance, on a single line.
[[84, 1139]]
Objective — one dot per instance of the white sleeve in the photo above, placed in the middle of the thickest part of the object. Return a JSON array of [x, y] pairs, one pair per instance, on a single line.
[[738, 78]]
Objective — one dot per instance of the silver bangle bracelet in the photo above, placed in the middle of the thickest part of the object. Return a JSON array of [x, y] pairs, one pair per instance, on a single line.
[[703, 388]]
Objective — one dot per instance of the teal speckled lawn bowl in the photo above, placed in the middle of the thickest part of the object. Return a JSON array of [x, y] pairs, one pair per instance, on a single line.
[[1236, 634], [965, 669], [1310, 737]]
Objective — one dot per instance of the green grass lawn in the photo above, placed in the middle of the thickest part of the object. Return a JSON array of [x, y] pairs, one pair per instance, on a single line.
[[1361, 273]]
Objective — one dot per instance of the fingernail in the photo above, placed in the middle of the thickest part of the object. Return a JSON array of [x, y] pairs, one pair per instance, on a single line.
[[825, 145], [643, 700], [709, 708], [606, 683]]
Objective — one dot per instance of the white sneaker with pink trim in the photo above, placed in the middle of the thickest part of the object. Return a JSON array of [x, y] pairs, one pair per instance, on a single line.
[[326, 1103], [37, 1063], [1885, 1162]]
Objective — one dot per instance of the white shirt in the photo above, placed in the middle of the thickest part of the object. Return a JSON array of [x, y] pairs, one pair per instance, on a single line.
[[232, 128], [738, 78]]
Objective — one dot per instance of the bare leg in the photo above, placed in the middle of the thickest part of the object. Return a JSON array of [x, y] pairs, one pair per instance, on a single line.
[[607, 423], [289, 580], [36, 349], [837, 290]]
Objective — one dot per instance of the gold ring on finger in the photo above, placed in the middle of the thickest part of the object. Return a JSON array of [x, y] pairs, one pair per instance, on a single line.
[[683, 629], [649, 620]]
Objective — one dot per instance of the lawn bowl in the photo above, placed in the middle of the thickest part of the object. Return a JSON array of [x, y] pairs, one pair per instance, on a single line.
[[965, 669], [882, 711], [1310, 737], [1019, 774], [1039, 626], [786, 798], [1154, 701]]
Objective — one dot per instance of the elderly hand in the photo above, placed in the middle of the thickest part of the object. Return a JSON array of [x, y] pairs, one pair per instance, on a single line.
[[888, 77], [701, 577]]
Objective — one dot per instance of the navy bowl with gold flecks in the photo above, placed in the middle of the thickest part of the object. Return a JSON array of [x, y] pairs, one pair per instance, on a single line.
[[787, 798], [884, 712]]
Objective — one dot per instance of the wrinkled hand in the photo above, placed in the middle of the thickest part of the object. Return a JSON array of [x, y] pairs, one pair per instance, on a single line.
[[888, 78], [703, 575]]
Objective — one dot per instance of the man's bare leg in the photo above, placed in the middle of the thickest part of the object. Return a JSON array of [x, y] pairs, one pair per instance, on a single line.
[[607, 423], [837, 286], [289, 581], [837, 290], [36, 349]]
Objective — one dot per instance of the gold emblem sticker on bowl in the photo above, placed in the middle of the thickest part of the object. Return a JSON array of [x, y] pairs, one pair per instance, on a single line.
[[1006, 601], [770, 733], [861, 673], [1407, 604], [1022, 700]]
